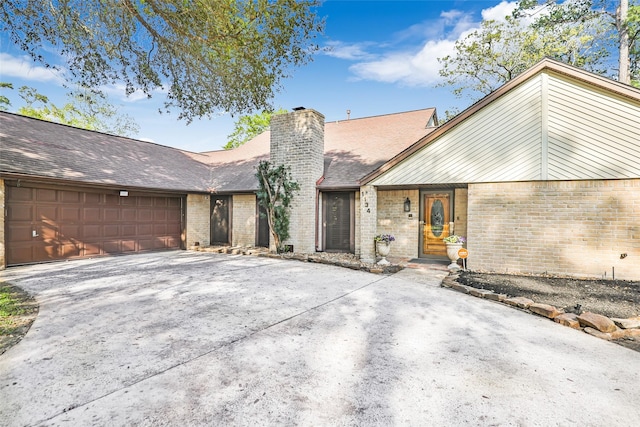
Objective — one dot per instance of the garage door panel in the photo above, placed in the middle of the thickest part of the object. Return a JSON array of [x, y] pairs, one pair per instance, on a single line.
[[69, 214], [46, 195], [112, 247], [145, 215], [146, 244], [92, 248], [145, 201], [145, 230], [20, 194], [111, 214], [112, 200], [129, 215], [92, 214], [69, 250], [20, 255], [20, 213], [70, 197], [47, 213], [159, 243], [92, 198], [111, 230], [91, 232], [69, 233], [159, 230], [129, 246], [20, 233], [72, 224], [128, 230]]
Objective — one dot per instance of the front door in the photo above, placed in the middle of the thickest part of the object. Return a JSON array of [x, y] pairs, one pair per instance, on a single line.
[[436, 217], [262, 232], [338, 222], [220, 220]]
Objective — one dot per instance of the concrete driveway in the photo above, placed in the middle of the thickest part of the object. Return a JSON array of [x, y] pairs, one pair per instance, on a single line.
[[184, 338]]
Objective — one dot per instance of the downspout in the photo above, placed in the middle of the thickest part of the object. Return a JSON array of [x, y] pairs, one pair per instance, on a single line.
[[318, 182]]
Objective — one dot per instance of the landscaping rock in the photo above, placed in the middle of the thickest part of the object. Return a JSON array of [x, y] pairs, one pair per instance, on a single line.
[[496, 297], [596, 333], [521, 302], [545, 310], [596, 321], [460, 288], [625, 333], [632, 323], [568, 319], [481, 293]]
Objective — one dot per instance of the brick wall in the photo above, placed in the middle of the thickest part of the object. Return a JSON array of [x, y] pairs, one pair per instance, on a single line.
[[244, 220], [368, 222], [198, 219], [460, 202], [297, 140], [3, 262], [572, 228], [392, 219]]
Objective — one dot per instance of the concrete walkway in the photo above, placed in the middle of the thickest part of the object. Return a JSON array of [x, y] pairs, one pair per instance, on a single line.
[[184, 338]]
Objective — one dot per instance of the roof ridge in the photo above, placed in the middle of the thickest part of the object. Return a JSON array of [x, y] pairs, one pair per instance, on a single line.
[[92, 130], [382, 115]]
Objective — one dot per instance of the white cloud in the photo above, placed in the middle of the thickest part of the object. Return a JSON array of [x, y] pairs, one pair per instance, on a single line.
[[23, 67], [420, 66], [119, 91], [355, 51], [499, 12], [412, 69]]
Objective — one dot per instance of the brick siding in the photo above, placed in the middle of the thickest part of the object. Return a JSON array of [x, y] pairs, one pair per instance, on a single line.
[[297, 140], [198, 219], [392, 219], [460, 202], [244, 220], [368, 222], [569, 228]]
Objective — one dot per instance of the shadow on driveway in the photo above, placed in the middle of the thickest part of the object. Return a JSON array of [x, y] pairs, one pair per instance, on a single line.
[[187, 338]]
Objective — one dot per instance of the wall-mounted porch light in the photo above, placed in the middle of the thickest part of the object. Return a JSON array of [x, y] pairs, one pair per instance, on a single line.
[[407, 205]]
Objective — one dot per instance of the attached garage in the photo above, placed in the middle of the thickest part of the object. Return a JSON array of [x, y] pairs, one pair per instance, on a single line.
[[45, 223]]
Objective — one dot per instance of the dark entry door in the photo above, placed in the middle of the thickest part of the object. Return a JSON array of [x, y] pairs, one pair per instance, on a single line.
[[263, 228], [220, 220], [337, 214]]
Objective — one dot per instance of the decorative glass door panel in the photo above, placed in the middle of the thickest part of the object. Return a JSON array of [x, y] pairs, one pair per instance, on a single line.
[[436, 216]]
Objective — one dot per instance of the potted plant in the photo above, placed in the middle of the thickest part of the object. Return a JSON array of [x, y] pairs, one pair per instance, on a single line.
[[383, 246], [454, 244]]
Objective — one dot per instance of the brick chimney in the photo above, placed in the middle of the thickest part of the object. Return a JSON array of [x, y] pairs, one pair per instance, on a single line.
[[297, 141]]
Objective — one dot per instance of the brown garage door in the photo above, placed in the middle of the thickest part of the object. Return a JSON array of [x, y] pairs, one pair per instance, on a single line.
[[44, 224]]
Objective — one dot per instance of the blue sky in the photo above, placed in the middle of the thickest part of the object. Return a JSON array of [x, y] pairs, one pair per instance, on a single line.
[[383, 59]]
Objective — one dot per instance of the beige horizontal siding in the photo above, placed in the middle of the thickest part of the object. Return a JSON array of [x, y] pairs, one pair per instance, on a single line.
[[499, 142], [592, 134]]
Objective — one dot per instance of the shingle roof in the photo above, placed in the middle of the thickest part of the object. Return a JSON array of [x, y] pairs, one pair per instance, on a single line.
[[353, 149], [37, 148]]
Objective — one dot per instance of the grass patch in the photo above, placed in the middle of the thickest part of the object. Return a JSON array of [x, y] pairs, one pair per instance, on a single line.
[[14, 305]]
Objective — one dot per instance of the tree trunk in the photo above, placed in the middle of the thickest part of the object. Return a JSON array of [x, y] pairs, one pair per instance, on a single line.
[[624, 74]]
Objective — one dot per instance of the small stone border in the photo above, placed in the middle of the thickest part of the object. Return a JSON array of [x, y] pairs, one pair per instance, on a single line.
[[337, 259], [594, 324]]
